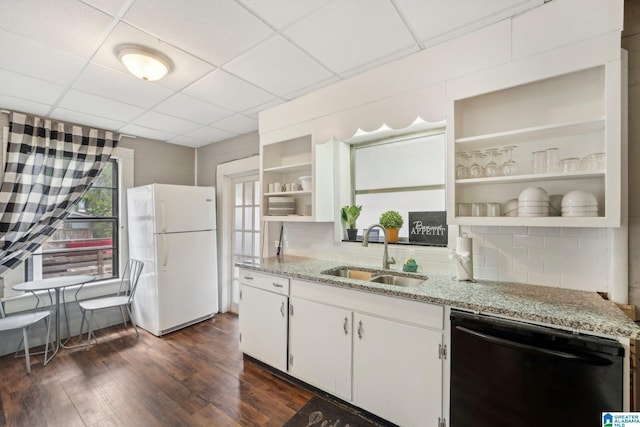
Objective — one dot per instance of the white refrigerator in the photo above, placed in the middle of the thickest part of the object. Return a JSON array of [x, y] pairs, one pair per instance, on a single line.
[[172, 229]]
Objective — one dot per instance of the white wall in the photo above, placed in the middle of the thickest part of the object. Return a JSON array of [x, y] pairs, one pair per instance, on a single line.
[[551, 38]]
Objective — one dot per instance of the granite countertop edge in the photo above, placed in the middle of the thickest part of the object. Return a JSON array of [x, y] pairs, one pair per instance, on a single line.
[[570, 309]]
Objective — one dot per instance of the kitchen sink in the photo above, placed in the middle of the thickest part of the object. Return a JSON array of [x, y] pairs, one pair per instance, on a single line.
[[389, 279], [350, 273]]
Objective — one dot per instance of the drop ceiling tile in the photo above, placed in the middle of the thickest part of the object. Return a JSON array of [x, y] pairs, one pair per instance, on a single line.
[[25, 56], [112, 7], [381, 61], [215, 31], [24, 106], [223, 89], [255, 111], [190, 108], [143, 132], [281, 13], [186, 68], [30, 89], [278, 66], [311, 88], [237, 124], [122, 87], [85, 102], [68, 25], [163, 122], [346, 34], [189, 141], [453, 20], [208, 133], [85, 119]]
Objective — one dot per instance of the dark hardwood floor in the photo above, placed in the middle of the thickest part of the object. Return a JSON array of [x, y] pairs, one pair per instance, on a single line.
[[192, 377]]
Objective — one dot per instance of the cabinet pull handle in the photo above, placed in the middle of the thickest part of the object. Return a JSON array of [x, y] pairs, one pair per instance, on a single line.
[[282, 309], [277, 285], [346, 325], [248, 278], [360, 330]]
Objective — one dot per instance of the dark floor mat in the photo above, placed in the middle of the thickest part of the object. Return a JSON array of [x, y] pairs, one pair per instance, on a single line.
[[323, 413]]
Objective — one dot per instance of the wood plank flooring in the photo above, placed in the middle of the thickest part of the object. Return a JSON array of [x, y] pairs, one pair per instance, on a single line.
[[192, 377]]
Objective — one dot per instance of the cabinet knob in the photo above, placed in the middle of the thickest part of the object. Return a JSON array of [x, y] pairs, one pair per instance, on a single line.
[[248, 278]]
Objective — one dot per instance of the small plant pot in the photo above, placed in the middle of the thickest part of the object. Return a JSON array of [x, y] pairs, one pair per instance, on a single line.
[[392, 235], [352, 233]]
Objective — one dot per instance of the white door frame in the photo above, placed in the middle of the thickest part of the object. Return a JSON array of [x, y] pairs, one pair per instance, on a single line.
[[225, 173]]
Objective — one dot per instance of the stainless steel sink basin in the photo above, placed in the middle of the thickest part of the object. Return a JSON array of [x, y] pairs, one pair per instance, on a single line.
[[389, 279], [350, 273]]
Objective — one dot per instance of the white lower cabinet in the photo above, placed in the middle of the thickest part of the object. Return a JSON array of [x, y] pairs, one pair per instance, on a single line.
[[263, 325], [320, 346], [380, 353], [397, 372]]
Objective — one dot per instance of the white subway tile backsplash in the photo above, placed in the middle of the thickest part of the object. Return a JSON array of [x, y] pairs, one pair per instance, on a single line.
[[512, 230], [481, 229], [544, 231], [499, 240], [528, 241], [580, 232], [553, 242], [528, 264], [485, 273], [592, 243], [546, 279], [510, 275]]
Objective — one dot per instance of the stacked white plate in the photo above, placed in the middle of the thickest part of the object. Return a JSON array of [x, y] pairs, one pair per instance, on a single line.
[[533, 201], [579, 204], [281, 206]]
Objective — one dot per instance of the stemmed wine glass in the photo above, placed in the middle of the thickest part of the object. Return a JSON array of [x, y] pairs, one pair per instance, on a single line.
[[492, 169], [509, 167], [476, 170], [462, 170]]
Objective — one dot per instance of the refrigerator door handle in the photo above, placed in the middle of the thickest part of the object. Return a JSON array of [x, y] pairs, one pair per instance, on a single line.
[[163, 224], [165, 251]]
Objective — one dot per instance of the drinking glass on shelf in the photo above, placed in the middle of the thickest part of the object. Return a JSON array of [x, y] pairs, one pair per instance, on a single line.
[[476, 170], [539, 161], [492, 169], [553, 164], [462, 170], [509, 167]]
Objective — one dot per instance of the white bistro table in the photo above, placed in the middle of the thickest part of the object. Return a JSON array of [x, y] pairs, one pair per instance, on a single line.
[[56, 284]]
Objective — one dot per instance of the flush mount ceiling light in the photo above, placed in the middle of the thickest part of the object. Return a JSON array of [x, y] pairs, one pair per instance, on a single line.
[[144, 63]]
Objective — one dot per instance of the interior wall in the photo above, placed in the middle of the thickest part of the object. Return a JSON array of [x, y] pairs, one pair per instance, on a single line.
[[210, 156], [631, 42], [161, 162]]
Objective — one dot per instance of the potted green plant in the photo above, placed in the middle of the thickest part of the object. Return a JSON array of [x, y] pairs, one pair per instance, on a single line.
[[349, 215], [391, 221]]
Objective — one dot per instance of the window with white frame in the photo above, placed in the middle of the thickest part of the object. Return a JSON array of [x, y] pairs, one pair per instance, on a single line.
[[87, 240], [403, 173]]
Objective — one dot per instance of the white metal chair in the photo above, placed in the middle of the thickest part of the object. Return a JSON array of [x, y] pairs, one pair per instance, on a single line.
[[23, 321], [122, 299]]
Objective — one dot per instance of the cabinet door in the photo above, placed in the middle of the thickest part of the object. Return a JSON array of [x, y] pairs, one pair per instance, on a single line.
[[397, 372], [263, 326], [320, 346]]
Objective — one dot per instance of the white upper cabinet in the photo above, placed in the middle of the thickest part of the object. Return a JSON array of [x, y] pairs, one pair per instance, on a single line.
[[578, 113]]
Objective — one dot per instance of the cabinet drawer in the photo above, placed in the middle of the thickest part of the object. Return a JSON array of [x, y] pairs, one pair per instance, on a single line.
[[268, 282]]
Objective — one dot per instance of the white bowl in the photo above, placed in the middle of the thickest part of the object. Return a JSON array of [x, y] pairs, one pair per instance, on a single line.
[[533, 214], [532, 204], [305, 182], [533, 209], [533, 194], [511, 213], [579, 198], [579, 214], [576, 210], [510, 205]]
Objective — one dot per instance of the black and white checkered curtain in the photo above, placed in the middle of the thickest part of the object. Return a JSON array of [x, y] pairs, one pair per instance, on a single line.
[[49, 165]]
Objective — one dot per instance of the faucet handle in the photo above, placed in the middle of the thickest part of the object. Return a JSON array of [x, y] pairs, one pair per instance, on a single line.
[[391, 260]]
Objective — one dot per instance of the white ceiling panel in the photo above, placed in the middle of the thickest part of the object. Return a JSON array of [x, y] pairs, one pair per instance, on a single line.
[[120, 86], [210, 134], [17, 104], [223, 89], [237, 124], [232, 58], [454, 16], [186, 68], [67, 25], [281, 13], [99, 106], [190, 108], [347, 34], [165, 123], [30, 89], [266, 64], [38, 60], [215, 30], [71, 116]]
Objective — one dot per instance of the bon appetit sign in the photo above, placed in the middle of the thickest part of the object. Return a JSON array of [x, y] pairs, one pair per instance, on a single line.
[[428, 227]]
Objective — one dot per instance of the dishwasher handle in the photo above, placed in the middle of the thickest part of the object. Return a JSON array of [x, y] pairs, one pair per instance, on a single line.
[[593, 360]]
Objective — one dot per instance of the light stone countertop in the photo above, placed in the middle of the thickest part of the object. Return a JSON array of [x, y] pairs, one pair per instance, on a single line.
[[566, 308]]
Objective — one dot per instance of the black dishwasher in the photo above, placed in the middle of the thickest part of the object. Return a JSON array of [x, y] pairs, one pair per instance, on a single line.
[[506, 373]]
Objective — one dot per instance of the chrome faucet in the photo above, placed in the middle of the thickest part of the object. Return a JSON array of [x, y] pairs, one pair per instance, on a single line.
[[385, 256]]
